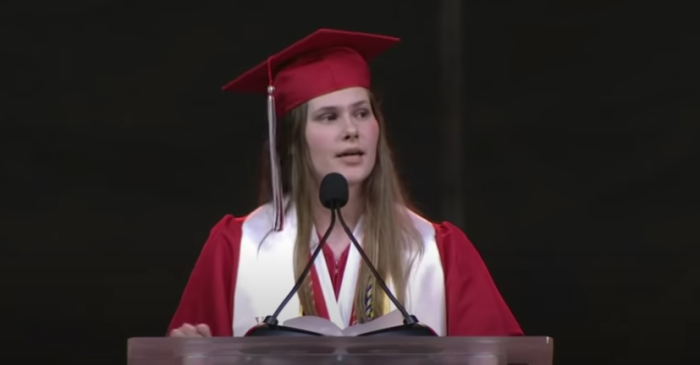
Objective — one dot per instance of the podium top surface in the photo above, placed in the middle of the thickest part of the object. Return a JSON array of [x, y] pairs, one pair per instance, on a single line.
[[341, 350]]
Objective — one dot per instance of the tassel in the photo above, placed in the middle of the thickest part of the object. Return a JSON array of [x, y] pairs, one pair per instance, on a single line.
[[275, 170], [369, 310]]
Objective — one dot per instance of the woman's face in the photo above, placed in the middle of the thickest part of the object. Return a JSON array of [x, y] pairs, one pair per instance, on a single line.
[[342, 134]]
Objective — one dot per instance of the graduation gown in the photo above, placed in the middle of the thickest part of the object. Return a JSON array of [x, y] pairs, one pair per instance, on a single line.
[[245, 270]]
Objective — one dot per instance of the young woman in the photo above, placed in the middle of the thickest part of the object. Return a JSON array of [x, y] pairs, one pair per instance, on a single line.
[[319, 88]]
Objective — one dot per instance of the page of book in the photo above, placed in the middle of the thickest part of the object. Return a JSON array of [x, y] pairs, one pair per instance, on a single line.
[[314, 324], [328, 328], [391, 319]]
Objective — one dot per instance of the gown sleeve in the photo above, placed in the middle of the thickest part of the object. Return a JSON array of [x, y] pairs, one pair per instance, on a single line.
[[474, 304], [208, 295]]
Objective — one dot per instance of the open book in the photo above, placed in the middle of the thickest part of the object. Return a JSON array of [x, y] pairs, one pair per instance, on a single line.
[[328, 328]]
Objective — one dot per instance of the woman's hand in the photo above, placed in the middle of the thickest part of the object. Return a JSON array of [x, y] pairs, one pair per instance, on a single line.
[[188, 330]]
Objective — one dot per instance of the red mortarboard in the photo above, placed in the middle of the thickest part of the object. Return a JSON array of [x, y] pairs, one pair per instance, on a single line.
[[323, 62]]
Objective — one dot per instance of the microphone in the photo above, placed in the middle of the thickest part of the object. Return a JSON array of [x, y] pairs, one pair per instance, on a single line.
[[333, 197], [411, 326]]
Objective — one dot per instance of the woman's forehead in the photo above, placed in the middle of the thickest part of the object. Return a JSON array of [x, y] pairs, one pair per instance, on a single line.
[[340, 99]]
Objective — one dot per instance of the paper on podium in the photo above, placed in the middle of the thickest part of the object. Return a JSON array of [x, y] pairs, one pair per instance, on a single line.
[[341, 351], [328, 328]]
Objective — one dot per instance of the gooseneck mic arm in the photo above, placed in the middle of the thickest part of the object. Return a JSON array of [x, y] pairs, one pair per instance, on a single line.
[[272, 320], [334, 194], [408, 319]]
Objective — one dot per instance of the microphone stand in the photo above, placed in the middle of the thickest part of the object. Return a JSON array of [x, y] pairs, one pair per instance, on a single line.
[[333, 194], [411, 326], [270, 326]]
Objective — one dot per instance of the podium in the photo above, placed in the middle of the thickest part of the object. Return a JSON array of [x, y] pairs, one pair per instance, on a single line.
[[341, 351]]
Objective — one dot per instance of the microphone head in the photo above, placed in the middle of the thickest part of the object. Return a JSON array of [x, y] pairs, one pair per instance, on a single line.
[[334, 191]]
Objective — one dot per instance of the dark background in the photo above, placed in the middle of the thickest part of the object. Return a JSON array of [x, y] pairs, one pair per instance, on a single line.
[[577, 167]]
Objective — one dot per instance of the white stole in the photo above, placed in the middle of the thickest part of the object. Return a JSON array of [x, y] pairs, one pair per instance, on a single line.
[[266, 275], [340, 310]]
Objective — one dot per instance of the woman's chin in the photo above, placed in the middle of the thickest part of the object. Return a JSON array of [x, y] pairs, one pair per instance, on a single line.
[[354, 178]]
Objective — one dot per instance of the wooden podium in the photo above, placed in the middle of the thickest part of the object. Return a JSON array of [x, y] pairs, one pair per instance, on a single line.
[[341, 351]]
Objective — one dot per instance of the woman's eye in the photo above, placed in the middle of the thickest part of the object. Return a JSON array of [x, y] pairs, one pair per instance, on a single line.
[[328, 117], [362, 114]]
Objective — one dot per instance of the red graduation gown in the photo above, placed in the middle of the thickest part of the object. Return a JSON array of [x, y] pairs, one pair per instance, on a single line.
[[474, 306]]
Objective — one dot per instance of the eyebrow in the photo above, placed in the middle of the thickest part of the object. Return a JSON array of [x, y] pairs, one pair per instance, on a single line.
[[332, 107]]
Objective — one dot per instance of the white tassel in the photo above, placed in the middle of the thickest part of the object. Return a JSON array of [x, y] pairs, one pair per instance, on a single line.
[[275, 170]]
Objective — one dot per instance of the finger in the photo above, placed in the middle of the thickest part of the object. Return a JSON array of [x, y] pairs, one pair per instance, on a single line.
[[177, 333], [204, 330], [188, 330], [191, 331]]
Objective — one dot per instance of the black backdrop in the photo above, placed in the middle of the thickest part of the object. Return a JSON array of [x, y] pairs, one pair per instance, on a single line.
[[118, 153]]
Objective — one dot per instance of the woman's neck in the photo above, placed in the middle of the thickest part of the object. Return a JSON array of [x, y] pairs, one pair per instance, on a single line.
[[352, 212]]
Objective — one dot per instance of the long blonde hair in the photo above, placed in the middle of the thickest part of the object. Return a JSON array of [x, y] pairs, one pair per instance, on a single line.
[[390, 239]]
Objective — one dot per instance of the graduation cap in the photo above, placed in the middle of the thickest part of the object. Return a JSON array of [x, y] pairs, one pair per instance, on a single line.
[[325, 61]]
